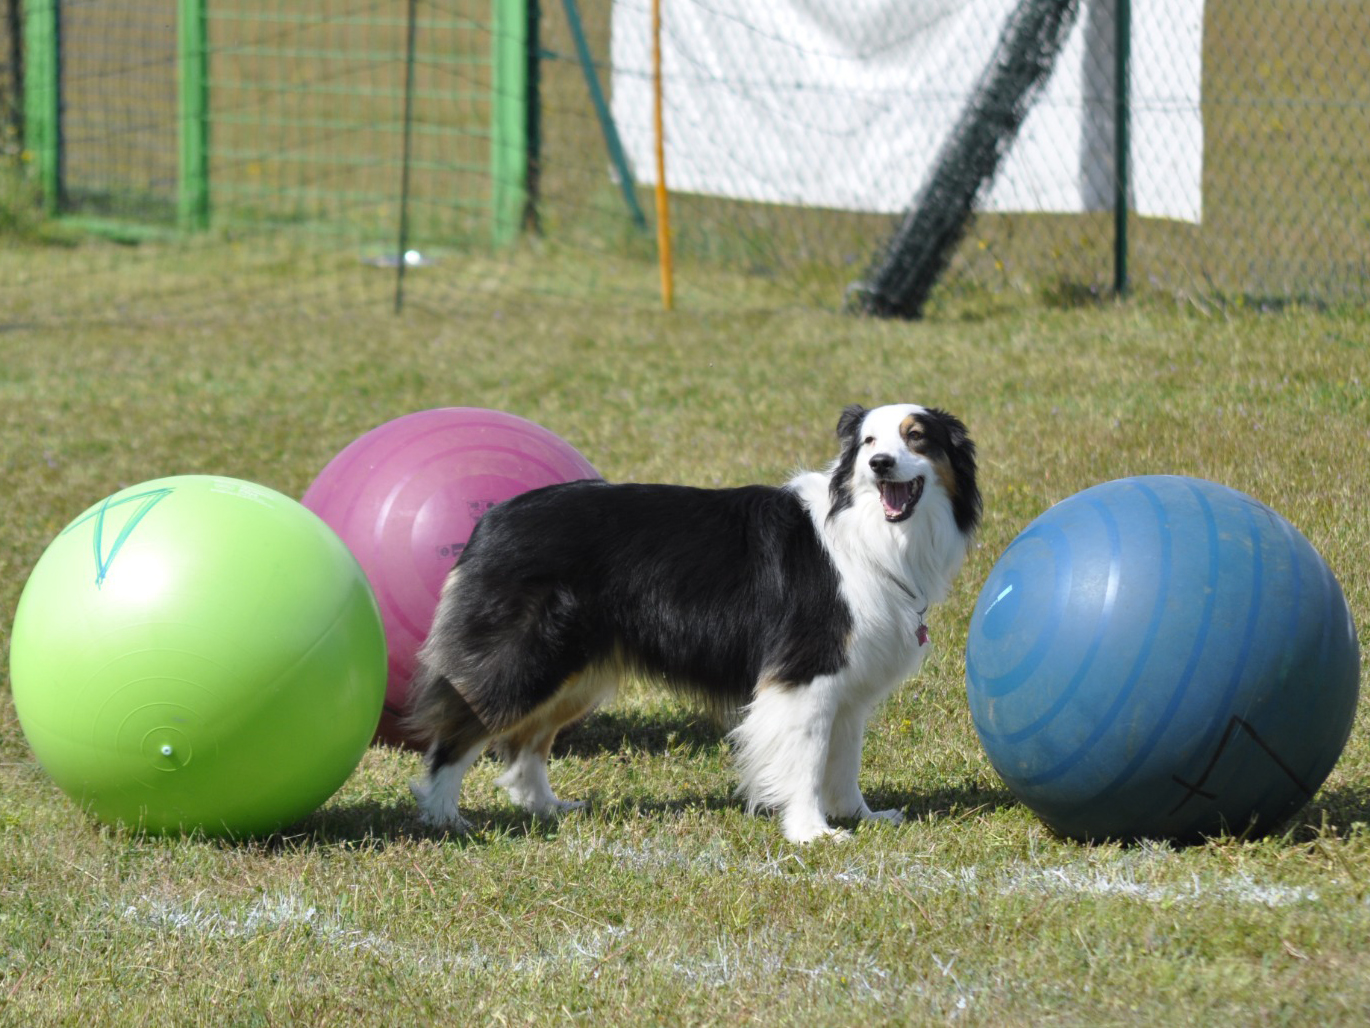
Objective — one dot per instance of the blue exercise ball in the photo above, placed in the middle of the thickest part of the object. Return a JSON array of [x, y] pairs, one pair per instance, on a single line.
[[1162, 657]]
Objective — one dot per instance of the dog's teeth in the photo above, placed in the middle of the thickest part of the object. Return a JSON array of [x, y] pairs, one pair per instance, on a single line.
[[894, 495], [899, 498]]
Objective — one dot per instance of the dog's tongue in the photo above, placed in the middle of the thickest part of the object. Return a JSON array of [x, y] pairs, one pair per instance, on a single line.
[[895, 495]]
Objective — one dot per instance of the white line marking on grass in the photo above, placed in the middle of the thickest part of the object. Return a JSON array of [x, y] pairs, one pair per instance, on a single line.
[[269, 914], [1125, 876], [761, 960], [265, 915], [1241, 889], [731, 962]]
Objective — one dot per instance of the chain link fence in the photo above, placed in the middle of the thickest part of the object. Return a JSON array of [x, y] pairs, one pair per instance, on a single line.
[[1266, 143], [465, 148]]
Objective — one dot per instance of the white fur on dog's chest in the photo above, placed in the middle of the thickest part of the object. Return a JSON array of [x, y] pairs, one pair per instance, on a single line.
[[876, 583], [886, 648]]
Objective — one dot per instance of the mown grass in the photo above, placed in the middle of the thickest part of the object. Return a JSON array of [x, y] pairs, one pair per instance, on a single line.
[[663, 902]]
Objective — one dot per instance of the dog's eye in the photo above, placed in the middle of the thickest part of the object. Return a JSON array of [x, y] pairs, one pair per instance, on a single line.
[[868, 440], [915, 435]]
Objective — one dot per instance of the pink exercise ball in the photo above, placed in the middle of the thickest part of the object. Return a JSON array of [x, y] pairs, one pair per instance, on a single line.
[[405, 496]]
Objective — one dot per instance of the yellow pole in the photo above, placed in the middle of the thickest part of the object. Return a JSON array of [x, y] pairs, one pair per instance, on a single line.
[[663, 207]]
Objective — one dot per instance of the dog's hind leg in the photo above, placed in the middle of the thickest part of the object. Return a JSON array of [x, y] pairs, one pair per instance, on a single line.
[[526, 748], [439, 795], [458, 737], [782, 750], [526, 778]]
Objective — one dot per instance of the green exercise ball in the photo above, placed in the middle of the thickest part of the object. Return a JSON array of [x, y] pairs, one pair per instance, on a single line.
[[198, 654]]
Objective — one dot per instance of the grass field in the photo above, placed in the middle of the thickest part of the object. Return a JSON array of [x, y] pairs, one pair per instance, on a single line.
[[663, 902]]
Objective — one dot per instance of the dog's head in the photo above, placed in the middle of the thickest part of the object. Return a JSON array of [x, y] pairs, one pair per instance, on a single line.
[[899, 452]]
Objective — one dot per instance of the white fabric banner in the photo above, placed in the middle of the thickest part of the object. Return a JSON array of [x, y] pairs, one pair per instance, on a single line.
[[846, 103]]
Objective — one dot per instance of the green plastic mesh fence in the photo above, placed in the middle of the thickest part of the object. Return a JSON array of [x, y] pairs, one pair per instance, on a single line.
[[301, 120], [118, 110], [508, 148], [307, 117]]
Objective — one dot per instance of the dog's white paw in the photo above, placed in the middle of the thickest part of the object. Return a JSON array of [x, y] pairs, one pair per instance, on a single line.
[[809, 831], [438, 811], [861, 812], [549, 808], [536, 797]]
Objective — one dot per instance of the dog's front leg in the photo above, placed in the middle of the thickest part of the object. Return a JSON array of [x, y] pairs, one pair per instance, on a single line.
[[782, 750], [841, 776]]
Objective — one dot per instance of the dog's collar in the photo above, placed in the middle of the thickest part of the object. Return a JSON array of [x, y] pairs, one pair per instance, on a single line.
[[906, 591], [922, 630]]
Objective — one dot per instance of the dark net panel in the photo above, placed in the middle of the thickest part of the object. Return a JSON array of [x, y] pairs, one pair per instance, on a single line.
[[911, 263]]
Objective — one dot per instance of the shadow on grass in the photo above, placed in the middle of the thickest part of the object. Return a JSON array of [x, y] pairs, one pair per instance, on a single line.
[[956, 802], [1334, 810], [376, 825], [609, 731], [373, 824]]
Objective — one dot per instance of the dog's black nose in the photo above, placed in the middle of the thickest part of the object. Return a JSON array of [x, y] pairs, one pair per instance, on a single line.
[[882, 463]]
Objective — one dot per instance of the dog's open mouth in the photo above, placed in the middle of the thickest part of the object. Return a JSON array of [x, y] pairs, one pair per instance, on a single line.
[[899, 498]]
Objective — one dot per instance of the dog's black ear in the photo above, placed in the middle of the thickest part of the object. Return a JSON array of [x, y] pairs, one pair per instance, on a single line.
[[957, 434], [848, 430], [850, 420], [960, 451]]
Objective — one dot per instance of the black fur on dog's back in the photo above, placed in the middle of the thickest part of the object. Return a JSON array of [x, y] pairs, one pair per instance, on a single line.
[[561, 578]]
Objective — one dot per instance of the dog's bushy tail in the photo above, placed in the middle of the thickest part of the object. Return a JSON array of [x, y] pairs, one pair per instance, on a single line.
[[426, 709], [439, 718]]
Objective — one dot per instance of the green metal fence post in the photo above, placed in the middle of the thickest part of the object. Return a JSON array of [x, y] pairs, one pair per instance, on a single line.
[[42, 99], [509, 122], [192, 192], [1122, 158]]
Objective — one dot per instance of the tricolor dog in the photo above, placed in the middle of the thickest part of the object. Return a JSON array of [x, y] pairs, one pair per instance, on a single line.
[[796, 609]]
